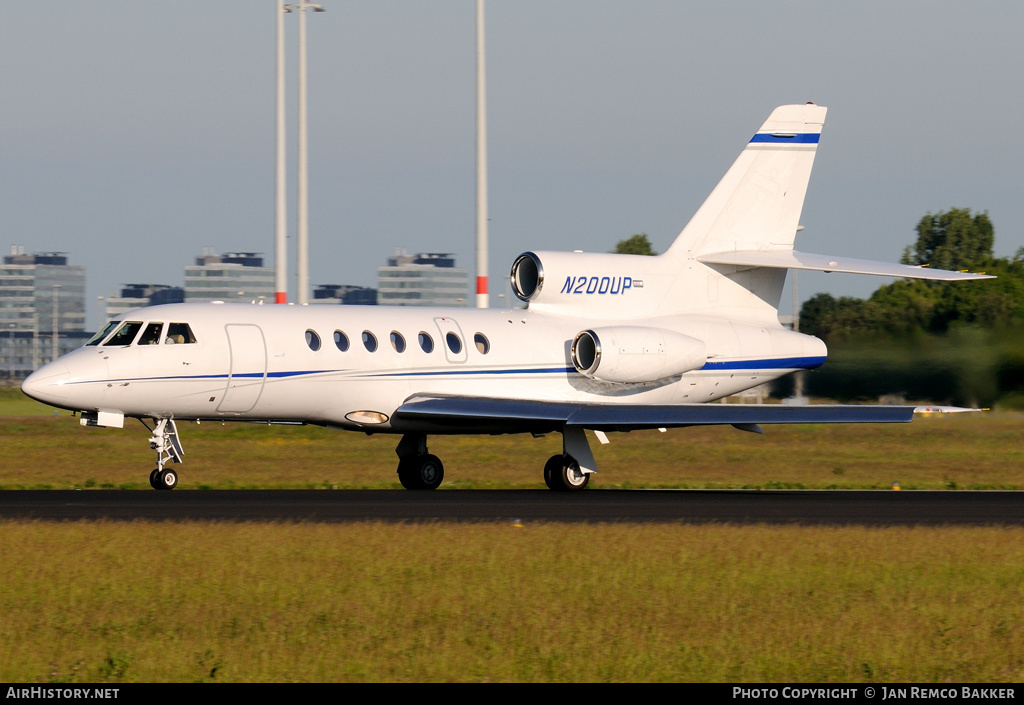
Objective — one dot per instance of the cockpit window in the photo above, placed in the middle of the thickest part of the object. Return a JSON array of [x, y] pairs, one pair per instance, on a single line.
[[178, 333], [107, 329], [125, 334], [151, 335]]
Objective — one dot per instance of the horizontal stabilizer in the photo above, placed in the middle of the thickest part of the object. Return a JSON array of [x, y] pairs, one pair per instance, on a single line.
[[514, 415], [788, 259]]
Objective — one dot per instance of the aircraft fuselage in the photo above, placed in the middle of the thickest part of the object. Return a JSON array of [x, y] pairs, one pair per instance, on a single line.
[[353, 366]]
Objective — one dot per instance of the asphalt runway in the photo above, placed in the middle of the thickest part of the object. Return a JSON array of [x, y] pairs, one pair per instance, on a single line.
[[834, 508]]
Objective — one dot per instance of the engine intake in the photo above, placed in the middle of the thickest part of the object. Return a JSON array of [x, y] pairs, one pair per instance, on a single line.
[[527, 276], [634, 354]]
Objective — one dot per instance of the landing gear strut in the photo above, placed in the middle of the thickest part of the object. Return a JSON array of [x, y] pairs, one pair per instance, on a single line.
[[418, 469], [167, 446]]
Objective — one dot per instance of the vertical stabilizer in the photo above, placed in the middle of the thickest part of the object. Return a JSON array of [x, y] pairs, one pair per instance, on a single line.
[[757, 205], [754, 209]]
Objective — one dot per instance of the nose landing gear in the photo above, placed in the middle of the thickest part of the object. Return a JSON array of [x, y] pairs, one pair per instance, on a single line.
[[167, 446]]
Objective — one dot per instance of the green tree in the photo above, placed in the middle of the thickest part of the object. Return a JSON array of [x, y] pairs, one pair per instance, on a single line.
[[829, 318], [954, 239], [636, 245]]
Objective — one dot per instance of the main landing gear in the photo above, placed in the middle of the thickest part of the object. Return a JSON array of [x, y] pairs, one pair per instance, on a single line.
[[418, 469], [167, 446], [563, 474], [571, 471], [568, 472]]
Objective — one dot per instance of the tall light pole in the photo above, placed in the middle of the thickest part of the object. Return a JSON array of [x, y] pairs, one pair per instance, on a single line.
[[35, 340], [281, 222], [481, 162], [56, 322], [10, 355], [303, 178]]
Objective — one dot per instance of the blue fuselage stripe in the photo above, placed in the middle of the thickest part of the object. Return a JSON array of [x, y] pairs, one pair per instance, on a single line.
[[446, 373], [786, 363]]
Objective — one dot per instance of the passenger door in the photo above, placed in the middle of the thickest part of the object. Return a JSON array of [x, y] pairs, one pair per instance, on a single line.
[[248, 371]]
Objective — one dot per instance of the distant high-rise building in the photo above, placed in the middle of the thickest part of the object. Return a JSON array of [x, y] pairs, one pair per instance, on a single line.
[[424, 279], [345, 294], [135, 296], [236, 276], [33, 289]]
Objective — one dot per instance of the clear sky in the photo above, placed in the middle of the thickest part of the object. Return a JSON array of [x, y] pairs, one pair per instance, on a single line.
[[134, 134]]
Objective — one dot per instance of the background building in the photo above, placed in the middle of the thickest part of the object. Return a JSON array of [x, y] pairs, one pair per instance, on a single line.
[[345, 294], [425, 279], [135, 296], [236, 276], [42, 310]]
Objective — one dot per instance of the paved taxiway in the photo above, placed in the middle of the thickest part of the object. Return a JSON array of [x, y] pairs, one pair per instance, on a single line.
[[864, 508]]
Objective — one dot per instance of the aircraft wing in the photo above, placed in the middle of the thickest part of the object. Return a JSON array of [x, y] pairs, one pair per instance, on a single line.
[[789, 259], [487, 415]]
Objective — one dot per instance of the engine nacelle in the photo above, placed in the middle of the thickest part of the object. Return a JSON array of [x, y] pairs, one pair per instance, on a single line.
[[592, 283], [632, 354]]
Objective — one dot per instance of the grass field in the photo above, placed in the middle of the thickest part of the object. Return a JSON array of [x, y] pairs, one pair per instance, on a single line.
[[194, 601], [493, 602], [966, 451]]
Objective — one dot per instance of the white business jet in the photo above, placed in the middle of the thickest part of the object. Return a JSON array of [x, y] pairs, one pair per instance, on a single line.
[[606, 342]]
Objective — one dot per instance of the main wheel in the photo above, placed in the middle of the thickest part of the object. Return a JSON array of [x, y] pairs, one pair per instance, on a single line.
[[166, 480], [424, 472], [551, 470], [407, 473], [562, 473]]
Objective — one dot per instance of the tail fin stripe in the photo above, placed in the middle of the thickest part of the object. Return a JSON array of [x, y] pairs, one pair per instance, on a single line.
[[790, 138]]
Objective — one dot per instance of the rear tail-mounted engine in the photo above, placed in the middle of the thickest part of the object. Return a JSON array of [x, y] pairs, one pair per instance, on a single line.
[[527, 276], [634, 354]]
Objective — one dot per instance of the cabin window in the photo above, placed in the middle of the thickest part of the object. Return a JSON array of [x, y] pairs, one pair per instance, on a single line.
[[312, 340], [369, 341], [126, 333], [151, 335], [454, 343], [179, 334], [483, 345], [426, 342], [341, 340], [397, 341], [107, 329]]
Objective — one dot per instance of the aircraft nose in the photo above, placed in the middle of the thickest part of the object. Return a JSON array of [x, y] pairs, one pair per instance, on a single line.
[[47, 384]]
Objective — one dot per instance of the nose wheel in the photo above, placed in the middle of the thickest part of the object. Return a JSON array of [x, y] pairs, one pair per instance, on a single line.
[[163, 479]]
